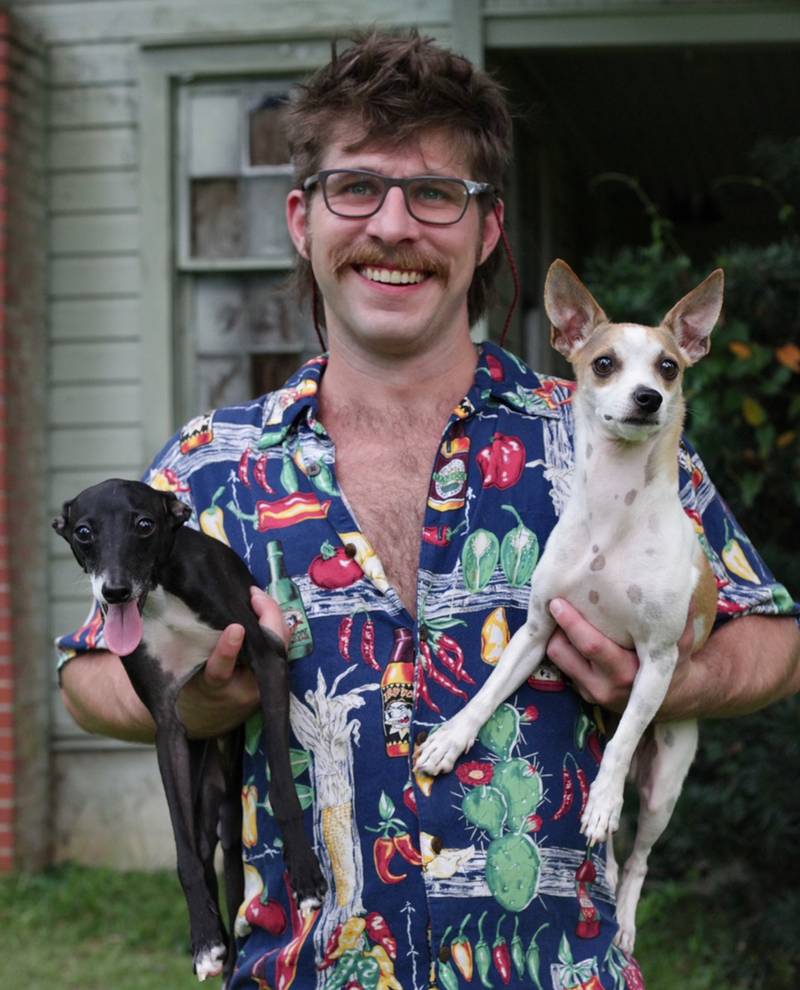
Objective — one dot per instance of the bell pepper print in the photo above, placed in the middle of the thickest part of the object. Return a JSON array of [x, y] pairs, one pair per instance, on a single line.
[[499, 835]]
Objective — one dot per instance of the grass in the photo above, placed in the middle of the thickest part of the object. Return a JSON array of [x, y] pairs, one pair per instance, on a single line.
[[93, 929]]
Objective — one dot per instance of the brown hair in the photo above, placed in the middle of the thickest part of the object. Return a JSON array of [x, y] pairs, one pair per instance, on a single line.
[[397, 85]]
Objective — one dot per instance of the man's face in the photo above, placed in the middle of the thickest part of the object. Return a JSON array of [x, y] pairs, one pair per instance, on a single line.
[[351, 257]]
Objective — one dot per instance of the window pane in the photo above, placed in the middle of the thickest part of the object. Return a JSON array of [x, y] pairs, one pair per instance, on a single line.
[[264, 209], [216, 219], [267, 131], [213, 132], [222, 381]]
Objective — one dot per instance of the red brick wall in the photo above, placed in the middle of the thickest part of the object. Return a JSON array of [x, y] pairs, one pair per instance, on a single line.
[[24, 652]]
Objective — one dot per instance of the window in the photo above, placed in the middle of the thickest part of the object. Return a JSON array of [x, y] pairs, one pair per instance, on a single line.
[[240, 330]]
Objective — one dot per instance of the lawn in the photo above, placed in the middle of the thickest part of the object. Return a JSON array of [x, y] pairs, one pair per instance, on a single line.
[[74, 928]]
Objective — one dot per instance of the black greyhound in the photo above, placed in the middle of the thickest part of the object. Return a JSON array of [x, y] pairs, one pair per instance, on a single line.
[[166, 591]]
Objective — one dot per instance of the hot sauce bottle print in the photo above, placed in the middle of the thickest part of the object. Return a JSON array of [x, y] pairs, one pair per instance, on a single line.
[[448, 488], [287, 595], [397, 694]]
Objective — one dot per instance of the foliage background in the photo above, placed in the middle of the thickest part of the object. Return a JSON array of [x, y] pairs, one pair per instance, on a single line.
[[729, 864]]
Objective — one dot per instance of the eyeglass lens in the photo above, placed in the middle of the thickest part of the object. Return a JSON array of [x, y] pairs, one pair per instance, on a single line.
[[429, 200]]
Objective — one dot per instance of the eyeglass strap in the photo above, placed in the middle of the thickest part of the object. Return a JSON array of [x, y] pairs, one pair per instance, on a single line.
[[512, 264]]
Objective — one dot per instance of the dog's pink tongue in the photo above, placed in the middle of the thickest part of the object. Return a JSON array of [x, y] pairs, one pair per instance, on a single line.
[[123, 628]]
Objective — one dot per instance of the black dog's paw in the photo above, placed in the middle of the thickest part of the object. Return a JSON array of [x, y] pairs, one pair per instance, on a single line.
[[306, 877], [208, 960]]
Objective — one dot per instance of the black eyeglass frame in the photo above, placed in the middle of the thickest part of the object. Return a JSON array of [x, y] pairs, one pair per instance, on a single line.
[[473, 189]]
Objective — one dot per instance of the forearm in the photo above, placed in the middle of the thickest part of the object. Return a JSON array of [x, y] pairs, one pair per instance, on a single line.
[[746, 664], [100, 697]]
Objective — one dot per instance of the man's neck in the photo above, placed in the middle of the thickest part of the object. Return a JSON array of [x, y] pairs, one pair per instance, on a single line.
[[438, 378]]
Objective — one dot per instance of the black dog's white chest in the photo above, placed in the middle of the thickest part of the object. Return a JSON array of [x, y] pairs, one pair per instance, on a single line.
[[174, 635]]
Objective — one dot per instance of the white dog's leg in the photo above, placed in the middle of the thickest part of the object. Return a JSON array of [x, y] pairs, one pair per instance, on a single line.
[[601, 815], [520, 658], [661, 771]]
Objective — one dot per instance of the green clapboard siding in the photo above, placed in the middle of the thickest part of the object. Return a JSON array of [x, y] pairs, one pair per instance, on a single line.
[[99, 276], [94, 233], [107, 360], [93, 319]]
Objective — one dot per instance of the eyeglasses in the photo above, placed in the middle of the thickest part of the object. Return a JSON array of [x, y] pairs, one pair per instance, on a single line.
[[358, 194]]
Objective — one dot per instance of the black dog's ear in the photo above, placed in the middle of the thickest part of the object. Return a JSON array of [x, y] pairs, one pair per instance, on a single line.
[[59, 523], [177, 512]]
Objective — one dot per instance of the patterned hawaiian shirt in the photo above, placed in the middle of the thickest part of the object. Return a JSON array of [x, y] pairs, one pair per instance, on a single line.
[[480, 875]]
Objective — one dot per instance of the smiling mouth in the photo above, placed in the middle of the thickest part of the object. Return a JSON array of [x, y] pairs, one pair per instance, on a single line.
[[391, 276]]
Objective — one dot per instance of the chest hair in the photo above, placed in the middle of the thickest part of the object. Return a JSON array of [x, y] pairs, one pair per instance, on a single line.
[[384, 469]]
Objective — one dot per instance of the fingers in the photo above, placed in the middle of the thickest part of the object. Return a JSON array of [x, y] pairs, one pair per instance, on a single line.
[[269, 613], [600, 669], [221, 663]]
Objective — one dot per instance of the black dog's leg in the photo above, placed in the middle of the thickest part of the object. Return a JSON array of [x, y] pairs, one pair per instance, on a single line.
[[271, 669], [230, 834], [208, 790], [208, 939]]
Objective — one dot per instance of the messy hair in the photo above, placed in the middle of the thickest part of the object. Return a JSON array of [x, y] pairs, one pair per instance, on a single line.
[[394, 87]]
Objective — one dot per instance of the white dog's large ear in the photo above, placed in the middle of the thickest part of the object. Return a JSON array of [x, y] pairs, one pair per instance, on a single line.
[[692, 319], [572, 309]]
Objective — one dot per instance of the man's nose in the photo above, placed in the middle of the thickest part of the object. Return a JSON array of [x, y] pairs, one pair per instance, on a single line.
[[392, 222]]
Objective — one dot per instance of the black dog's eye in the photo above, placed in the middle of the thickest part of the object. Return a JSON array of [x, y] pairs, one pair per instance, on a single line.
[[668, 369], [145, 526], [603, 366], [83, 534]]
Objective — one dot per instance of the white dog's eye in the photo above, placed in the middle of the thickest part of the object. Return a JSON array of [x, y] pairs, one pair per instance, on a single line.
[[668, 368], [603, 366]]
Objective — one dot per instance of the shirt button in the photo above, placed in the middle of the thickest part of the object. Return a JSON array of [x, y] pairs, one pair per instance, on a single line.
[[313, 469]]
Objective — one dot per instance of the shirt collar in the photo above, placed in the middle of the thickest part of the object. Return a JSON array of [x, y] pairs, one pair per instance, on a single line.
[[500, 377]]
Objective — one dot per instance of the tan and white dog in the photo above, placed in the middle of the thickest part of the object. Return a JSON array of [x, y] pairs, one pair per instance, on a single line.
[[624, 553]]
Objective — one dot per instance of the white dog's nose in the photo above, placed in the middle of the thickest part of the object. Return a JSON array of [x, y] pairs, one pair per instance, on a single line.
[[647, 399]]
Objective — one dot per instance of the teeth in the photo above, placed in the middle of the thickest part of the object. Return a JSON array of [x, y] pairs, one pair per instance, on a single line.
[[392, 276]]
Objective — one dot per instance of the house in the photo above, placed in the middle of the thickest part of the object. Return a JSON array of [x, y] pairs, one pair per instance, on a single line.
[[143, 175]]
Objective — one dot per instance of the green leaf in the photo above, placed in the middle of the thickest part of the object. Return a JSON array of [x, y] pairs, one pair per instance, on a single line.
[[386, 806]]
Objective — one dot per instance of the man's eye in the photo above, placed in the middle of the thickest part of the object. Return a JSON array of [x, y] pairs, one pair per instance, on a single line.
[[359, 188], [603, 366], [83, 534], [145, 526], [433, 193], [669, 369]]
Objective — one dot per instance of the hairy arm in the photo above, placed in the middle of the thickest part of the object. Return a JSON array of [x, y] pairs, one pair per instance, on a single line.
[[746, 664], [99, 696]]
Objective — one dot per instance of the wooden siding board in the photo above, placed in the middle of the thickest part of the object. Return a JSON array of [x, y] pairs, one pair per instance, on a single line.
[[72, 278], [93, 319], [86, 106], [78, 192], [104, 361], [94, 233], [105, 448], [81, 65], [118, 21], [83, 405], [94, 148], [66, 483]]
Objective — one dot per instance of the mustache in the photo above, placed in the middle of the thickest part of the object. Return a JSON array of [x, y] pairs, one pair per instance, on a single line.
[[373, 256]]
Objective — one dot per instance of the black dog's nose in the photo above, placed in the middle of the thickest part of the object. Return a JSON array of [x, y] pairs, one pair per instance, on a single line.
[[647, 399], [117, 594]]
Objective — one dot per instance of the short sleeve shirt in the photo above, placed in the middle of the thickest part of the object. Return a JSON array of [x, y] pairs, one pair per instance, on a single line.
[[477, 876]]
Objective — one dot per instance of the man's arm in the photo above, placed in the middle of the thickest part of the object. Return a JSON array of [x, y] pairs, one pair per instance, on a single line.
[[100, 697], [747, 663]]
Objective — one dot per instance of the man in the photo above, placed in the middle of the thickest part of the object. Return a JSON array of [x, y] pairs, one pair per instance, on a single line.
[[407, 429]]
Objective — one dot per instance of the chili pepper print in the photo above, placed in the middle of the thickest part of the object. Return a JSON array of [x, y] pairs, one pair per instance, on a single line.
[[483, 955], [441, 536], [345, 632], [404, 844], [383, 853], [260, 474], [394, 838], [212, 519], [532, 957], [501, 954], [289, 481], [333, 949], [450, 654], [388, 981], [588, 919], [502, 462], [461, 952], [345, 969], [368, 643], [283, 512], [447, 977], [568, 796], [286, 965], [517, 951], [424, 665], [243, 469], [583, 784], [380, 932], [439, 678]]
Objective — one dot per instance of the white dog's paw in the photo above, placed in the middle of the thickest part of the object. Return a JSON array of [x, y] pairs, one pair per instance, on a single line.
[[208, 961], [626, 938], [600, 818], [443, 747]]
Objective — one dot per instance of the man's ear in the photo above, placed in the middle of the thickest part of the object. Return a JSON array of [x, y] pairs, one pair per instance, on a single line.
[[572, 309], [60, 522], [297, 220], [490, 234], [692, 319], [177, 512]]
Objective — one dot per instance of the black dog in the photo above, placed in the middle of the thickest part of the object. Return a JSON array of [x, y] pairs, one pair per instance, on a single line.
[[166, 592]]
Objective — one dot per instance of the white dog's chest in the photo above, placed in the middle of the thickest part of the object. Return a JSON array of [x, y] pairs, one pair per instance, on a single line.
[[175, 635]]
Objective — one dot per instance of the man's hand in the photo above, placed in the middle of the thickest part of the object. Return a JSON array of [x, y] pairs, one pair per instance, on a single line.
[[222, 695], [601, 671]]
